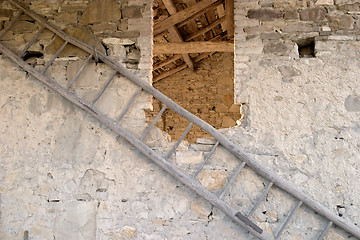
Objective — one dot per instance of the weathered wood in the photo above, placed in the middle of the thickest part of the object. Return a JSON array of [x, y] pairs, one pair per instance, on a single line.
[[182, 137], [230, 146], [31, 42], [170, 6], [167, 61], [11, 24], [193, 47], [173, 32], [232, 180], [199, 13], [287, 220], [148, 129], [54, 57], [325, 231], [229, 9], [104, 88], [206, 160], [205, 29], [248, 222], [77, 75], [181, 15], [258, 201], [128, 105], [168, 73]]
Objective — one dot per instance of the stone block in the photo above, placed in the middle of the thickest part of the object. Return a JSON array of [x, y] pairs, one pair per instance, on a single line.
[[228, 122], [101, 27], [5, 14], [340, 21], [270, 36], [300, 27], [212, 179], [291, 15], [313, 14], [80, 33], [352, 103], [324, 2], [264, 14], [66, 17], [101, 11], [23, 27], [132, 12], [350, 7], [189, 157], [276, 47], [288, 71], [76, 220]]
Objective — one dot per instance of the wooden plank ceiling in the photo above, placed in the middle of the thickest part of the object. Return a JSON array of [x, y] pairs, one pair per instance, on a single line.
[[187, 31]]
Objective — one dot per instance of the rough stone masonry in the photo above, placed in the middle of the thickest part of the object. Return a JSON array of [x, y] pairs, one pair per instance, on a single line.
[[65, 176]]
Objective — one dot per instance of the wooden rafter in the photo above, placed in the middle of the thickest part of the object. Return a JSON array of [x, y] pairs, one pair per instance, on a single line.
[[174, 34], [205, 29], [169, 73], [166, 62], [193, 47], [181, 16], [196, 15]]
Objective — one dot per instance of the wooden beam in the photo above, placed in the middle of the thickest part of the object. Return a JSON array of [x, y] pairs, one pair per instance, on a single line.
[[205, 29], [193, 47], [193, 17], [170, 6], [166, 62], [177, 38], [168, 73], [229, 9], [181, 16], [174, 33]]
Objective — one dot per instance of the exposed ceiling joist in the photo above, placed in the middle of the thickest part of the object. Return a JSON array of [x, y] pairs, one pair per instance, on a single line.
[[193, 47], [181, 16]]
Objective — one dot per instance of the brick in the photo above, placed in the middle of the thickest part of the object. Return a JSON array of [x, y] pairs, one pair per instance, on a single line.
[[313, 14], [264, 14]]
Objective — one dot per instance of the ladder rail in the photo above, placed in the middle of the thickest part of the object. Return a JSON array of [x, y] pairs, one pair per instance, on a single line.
[[230, 146], [141, 146]]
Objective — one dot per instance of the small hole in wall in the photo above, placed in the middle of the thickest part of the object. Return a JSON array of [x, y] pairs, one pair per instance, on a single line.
[[306, 48]]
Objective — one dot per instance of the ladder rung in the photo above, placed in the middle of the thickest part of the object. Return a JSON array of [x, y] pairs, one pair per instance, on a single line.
[[31, 42], [54, 57], [104, 88], [128, 105], [11, 24], [148, 129], [282, 228], [248, 222], [232, 180], [258, 201], [179, 141], [325, 231], [206, 159], [77, 75]]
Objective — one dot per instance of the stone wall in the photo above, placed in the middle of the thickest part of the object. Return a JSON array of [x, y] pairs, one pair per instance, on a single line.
[[296, 75], [63, 175], [207, 92]]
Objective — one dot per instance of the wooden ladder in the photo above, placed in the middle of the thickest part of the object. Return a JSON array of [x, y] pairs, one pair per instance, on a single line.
[[243, 219]]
